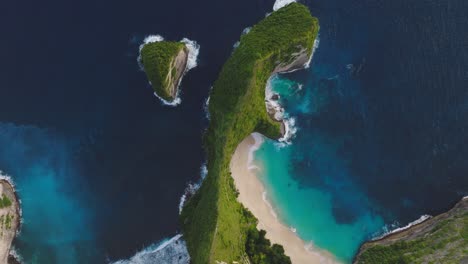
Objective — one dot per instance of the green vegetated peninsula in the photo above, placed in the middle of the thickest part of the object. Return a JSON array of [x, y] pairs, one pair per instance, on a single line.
[[164, 63], [216, 226], [441, 239]]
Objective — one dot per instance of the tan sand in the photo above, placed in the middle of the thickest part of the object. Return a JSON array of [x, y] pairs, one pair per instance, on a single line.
[[251, 195]]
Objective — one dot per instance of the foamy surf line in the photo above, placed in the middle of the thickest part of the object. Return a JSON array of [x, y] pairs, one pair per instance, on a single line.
[[193, 50], [253, 195], [173, 250], [192, 188], [282, 3], [394, 230], [290, 128]]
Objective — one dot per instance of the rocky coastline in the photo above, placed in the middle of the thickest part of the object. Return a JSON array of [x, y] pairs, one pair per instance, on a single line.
[[10, 220], [443, 237]]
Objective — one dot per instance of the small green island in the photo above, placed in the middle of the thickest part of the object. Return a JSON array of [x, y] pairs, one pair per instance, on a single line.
[[217, 228], [164, 63]]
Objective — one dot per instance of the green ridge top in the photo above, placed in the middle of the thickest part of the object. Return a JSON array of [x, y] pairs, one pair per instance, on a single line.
[[162, 68], [215, 225]]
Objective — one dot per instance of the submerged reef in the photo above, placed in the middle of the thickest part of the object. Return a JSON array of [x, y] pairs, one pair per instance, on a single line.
[[216, 227], [164, 63], [440, 239]]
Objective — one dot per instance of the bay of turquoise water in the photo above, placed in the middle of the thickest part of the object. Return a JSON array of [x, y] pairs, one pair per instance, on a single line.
[[381, 118]]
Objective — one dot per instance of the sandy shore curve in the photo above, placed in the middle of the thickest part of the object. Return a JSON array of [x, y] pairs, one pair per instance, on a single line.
[[251, 195]]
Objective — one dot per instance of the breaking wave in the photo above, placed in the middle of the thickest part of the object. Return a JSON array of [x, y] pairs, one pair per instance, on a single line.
[[282, 3], [273, 106], [393, 228], [194, 49], [314, 48], [173, 250], [192, 188]]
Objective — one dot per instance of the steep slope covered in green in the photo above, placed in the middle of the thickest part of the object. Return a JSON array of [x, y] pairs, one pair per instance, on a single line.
[[164, 63], [441, 239], [215, 224]]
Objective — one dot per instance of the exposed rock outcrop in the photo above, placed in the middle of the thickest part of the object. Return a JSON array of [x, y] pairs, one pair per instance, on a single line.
[[9, 220]]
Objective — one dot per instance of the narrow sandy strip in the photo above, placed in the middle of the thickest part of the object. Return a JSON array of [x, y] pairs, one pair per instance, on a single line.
[[251, 195]]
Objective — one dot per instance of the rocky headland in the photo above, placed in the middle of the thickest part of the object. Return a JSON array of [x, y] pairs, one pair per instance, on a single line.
[[440, 239]]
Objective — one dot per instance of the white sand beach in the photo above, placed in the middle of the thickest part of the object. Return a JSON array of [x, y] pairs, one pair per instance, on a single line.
[[251, 196]]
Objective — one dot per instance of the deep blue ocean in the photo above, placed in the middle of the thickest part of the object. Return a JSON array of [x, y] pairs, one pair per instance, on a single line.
[[100, 165]]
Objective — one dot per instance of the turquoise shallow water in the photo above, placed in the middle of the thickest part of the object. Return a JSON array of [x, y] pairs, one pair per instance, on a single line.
[[312, 209]]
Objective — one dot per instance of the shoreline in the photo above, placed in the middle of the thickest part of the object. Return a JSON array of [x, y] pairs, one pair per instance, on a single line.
[[10, 220], [252, 195]]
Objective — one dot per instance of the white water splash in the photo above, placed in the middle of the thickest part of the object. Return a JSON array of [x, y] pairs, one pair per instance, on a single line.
[[14, 253], [258, 138], [314, 48], [192, 188], [194, 49], [172, 251], [290, 128], [392, 228], [282, 3]]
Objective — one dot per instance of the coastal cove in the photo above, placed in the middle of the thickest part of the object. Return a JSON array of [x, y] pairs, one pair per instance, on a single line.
[[368, 138]]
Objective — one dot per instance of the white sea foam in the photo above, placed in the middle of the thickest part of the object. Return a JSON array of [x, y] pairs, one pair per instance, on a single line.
[[265, 200], [6, 177], [147, 40], [16, 255], [206, 106], [314, 48], [172, 103], [393, 228], [192, 62], [173, 250], [258, 138], [192, 188], [279, 114], [290, 130], [282, 3], [246, 30], [194, 49]]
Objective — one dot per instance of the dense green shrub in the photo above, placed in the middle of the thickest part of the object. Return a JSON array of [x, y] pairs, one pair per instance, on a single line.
[[4, 201]]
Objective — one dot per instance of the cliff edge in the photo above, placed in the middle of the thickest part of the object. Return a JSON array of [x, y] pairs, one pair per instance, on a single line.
[[164, 63], [9, 220], [440, 239]]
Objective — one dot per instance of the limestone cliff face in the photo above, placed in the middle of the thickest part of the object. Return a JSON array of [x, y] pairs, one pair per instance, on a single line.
[[441, 239], [9, 220], [165, 63], [174, 76]]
